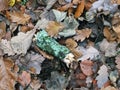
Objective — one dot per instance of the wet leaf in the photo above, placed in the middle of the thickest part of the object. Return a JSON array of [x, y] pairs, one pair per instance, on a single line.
[[81, 35]]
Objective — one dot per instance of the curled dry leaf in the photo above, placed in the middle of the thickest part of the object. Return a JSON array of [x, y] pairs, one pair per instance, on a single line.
[[82, 34], [108, 88], [53, 28], [44, 53], [110, 35], [80, 9], [24, 79], [86, 67], [7, 75], [18, 17]]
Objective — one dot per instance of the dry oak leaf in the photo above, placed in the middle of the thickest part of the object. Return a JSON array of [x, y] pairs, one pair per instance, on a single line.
[[110, 35], [108, 88], [53, 28], [80, 9], [82, 34], [18, 17], [7, 76], [86, 67], [70, 43], [24, 79]]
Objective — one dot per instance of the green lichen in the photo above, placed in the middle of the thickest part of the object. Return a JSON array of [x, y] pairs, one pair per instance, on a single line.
[[49, 45]]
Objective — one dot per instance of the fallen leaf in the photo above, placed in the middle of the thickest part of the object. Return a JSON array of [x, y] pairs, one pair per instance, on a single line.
[[59, 15], [2, 29], [89, 53], [6, 47], [117, 61], [108, 88], [82, 34], [109, 48], [43, 53], [75, 1], [80, 9], [24, 79], [102, 78], [65, 7], [110, 36], [11, 2], [7, 76], [18, 17], [86, 67], [53, 28], [70, 43], [21, 43], [3, 5], [50, 3]]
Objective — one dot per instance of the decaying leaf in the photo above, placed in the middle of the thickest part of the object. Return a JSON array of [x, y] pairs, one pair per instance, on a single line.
[[22, 42], [89, 53], [53, 28], [108, 88], [65, 7], [80, 9], [108, 47], [102, 78], [110, 35], [7, 76], [24, 79], [86, 67], [6, 47], [18, 17], [2, 29], [82, 34]]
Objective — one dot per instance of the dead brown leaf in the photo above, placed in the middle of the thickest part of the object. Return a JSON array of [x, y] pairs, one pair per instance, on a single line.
[[86, 67], [82, 34], [24, 79], [70, 43], [110, 36], [80, 9], [53, 28], [2, 30], [18, 17], [7, 75]]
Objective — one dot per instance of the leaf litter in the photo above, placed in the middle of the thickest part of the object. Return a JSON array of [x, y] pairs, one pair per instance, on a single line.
[[59, 45]]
